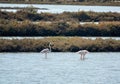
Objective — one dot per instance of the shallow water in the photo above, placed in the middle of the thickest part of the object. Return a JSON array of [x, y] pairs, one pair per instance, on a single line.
[[59, 68], [68, 8], [93, 38]]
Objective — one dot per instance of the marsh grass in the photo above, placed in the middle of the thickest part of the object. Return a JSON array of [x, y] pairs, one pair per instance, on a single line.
[[42, 28], [60, 44]]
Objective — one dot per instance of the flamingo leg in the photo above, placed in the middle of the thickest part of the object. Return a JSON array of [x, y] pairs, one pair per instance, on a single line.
[[81, 57], [45, 55]]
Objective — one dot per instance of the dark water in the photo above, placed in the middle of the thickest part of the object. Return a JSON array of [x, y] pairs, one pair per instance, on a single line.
[[59, 68]]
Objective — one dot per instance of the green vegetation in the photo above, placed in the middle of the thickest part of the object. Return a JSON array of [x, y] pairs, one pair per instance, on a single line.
[[60, 44]]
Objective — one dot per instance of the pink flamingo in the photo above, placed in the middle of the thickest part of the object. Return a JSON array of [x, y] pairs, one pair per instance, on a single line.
[[82, 53], [47, 50]]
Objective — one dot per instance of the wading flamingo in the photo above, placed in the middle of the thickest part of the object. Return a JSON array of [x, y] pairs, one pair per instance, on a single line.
[[82, 53], [47, 50]]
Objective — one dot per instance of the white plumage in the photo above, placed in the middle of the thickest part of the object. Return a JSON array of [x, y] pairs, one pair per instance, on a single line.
[[82, 53], [47, 50]]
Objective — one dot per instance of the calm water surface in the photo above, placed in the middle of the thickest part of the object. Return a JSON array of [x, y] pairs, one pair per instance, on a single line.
[[68, 8], [93, 38], [59, 68]]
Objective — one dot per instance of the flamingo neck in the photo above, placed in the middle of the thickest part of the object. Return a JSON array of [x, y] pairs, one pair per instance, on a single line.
[[50, 47]]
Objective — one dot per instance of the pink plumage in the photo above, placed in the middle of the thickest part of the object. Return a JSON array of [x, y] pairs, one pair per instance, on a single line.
[[83, 52], [45, 50]]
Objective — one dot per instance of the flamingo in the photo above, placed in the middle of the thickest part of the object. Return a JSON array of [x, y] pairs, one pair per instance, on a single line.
[[47, 50], [82, 53]]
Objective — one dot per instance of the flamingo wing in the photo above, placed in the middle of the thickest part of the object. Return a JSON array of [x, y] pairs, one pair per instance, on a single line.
[[45, 50], [82, 51]]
